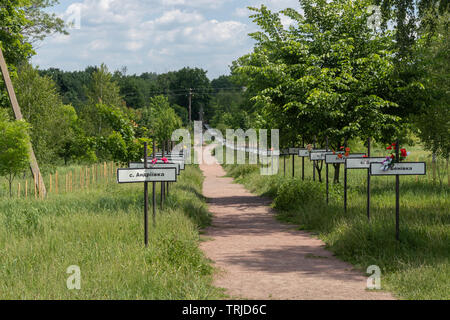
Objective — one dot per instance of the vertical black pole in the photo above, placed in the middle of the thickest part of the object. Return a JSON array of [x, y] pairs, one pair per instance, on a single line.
[[168, 152], [293, 164], [345, 181], [303, 163], [397, 196], [145, 199], [327, 174], [314, 162], [154, 188], [284, 164], [162, 183], [368, 182]]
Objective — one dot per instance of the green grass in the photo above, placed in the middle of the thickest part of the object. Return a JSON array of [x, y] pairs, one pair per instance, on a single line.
[[417, 267], [101, 231]]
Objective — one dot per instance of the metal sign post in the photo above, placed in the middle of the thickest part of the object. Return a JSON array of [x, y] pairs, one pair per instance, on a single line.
[[326, 170], [145, 199], [363, 163], [293, 151], [398, 169]]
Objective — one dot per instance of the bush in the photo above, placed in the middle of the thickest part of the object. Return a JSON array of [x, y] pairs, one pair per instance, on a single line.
[[294, 193]]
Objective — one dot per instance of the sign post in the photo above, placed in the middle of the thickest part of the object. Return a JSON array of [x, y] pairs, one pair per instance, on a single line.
[[292, 152], [339, 157], [145, 198], [154, 188], [368, 181], [303, 162], [326, 169], [363, 163], [398, 169]]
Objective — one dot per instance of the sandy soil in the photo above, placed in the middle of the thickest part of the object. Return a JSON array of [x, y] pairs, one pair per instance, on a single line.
[[261, 258]]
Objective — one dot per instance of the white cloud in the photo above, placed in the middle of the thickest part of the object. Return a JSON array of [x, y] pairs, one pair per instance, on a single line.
[[156, 35]]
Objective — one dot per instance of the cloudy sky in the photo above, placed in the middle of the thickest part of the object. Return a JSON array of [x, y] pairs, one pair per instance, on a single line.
[[153, 35]]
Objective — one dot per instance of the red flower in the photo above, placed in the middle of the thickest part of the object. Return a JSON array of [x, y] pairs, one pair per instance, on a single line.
[[340, 155], [394, 144], [389, 148], [165, 160], [392, 156], [347, 149], [404, 154], [347, 154], [364, 156], [342, 148]]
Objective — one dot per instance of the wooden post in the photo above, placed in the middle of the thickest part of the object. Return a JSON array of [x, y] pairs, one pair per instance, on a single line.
[[56, 182], [18, 114], [26, 189]]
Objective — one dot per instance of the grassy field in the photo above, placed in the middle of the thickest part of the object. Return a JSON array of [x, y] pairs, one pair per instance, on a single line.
[[100, 229], [417, 267]]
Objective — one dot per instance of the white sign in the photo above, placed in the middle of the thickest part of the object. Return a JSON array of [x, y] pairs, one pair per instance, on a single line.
[[403, 168], [304, 153], [334, 158], [146, 175], [140, 165], [363, 163], [318, 155]]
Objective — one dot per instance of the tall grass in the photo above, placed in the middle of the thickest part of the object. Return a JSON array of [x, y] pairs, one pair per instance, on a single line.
[[101, 231], [417, 267]]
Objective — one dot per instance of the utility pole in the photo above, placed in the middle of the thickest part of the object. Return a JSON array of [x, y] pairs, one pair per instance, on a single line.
[[190, 106], [18, 114]]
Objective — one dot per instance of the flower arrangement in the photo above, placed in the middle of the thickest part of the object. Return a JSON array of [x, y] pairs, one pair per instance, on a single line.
[[155, 161], [345, 152], [389, 162]]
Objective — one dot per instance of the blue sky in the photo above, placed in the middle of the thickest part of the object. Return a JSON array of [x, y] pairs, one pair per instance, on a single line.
[[154, 35]]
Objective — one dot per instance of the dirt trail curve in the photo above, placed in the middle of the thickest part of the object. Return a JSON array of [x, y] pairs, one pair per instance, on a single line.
[[261, 258]]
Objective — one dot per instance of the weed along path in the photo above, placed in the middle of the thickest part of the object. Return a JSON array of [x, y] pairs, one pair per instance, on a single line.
[[260, 258]]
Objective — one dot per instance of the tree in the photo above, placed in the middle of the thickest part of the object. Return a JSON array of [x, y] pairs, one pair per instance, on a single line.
[[328, 75], [21, 23], [14, 148], [42, 107], [161, 119], [433, 52]]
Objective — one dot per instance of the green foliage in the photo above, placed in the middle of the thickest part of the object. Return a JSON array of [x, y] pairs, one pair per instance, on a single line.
[[101, 231], [14, 147], [161, 119], [21, 23], [55, 128], [328, 75], [433, 52]]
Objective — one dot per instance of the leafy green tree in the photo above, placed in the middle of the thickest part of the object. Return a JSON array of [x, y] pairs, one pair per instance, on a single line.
[[328, 75], [434, 121], [161, 119], [42, 107], [21, 23], [14, 147]]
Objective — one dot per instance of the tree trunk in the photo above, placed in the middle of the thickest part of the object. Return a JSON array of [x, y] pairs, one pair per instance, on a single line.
[[337, 171], [319, 169]]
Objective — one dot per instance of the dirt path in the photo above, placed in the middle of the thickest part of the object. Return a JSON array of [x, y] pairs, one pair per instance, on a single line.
[[264, 259]]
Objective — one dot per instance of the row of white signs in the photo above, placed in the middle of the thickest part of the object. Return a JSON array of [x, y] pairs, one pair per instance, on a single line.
[[353, 161]]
